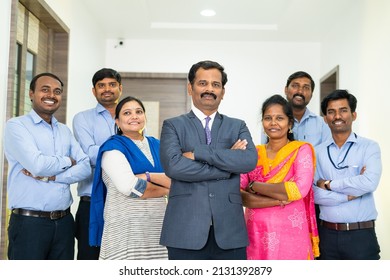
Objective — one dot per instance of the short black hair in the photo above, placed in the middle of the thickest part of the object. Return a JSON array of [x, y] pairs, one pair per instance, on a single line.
[[300, 74], [336, 95], [206, 64], [34, 80], [106, 73]]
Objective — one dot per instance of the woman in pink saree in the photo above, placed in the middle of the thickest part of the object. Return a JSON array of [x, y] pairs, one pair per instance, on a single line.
[[278, 194]]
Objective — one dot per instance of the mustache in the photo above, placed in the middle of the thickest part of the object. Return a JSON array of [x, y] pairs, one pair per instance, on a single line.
[[208, 93], [300, 95], [338, 120]]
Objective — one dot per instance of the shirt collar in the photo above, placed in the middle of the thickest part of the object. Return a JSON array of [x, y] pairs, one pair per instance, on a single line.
[[352, 138], [37, 119], [100, 108], [201, 116], [306, 115]]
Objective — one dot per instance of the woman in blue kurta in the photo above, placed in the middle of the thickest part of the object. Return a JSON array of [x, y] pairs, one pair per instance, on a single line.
[[128, 195]]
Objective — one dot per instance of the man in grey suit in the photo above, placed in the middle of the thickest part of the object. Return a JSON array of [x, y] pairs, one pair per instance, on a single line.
[[204, 218]]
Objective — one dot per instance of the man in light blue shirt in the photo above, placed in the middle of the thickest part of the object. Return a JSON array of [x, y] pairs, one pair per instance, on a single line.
[[44, 159], [92, 128], [348, 172], [308, 126]]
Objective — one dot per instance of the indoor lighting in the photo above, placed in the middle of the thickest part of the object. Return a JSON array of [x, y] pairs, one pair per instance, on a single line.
[[208, 13]]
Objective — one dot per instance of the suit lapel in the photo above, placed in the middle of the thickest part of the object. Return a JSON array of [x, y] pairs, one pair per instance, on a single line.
[[216, 127], [197, 124]]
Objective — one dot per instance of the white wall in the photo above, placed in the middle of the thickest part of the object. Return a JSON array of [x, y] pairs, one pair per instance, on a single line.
[[86, 53], [360, 45], [357, 43], [255, 70]]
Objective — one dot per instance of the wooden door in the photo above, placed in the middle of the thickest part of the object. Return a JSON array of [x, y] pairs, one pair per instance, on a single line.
[[164, 96]]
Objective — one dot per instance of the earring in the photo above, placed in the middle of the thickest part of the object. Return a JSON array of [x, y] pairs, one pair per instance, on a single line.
[[290, 130]]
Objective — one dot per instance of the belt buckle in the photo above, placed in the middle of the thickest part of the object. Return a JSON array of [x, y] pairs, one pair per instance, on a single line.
[[54, 215], [347, 224]]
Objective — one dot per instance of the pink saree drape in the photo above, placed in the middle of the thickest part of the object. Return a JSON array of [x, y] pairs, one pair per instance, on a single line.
[[289, 232]]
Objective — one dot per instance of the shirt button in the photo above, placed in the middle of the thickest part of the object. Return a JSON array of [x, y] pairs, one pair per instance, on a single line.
[[211, 195]]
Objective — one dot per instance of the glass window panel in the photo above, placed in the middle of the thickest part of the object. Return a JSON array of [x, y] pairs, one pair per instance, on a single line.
[[30, 61], [16, 102]]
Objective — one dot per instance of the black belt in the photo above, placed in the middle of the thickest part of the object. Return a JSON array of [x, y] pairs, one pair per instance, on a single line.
[[52, 215], [348, 226], [85, 198]]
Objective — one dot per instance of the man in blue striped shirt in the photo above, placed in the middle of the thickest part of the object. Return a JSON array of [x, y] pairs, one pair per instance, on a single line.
[[92, 128], [348, 172]]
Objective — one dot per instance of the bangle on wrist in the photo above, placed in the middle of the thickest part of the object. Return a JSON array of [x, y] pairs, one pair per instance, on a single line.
[[251, 187], [147, 176]]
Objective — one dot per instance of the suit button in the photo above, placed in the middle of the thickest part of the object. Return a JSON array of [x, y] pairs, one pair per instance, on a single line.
[[211, 195]]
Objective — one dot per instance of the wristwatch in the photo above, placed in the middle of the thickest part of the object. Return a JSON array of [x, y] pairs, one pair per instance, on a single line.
[[327, 185], [45, 179]]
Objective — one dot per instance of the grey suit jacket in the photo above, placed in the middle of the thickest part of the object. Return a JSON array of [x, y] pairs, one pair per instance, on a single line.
[[205, 190]]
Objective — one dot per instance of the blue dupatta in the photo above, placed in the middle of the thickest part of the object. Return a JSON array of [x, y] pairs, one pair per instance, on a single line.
[[139, 164]]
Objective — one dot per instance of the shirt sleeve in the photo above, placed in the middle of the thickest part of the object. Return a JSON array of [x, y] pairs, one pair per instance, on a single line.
[[84, 135], [81, 170], [116, 166], [20, 141], [359, 184]]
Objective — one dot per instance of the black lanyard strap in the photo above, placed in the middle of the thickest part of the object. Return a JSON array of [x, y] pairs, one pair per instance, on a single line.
[[345, 156]]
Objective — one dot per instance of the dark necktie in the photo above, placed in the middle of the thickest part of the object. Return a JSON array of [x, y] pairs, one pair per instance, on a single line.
[[208, 131]]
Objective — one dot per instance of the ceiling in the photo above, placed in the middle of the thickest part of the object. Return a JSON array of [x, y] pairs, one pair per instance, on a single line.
[[235, 20]]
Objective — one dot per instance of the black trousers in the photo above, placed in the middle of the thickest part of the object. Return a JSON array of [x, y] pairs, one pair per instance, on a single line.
[[32, 238], [361, 244], [210, 251], [84, 251]]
